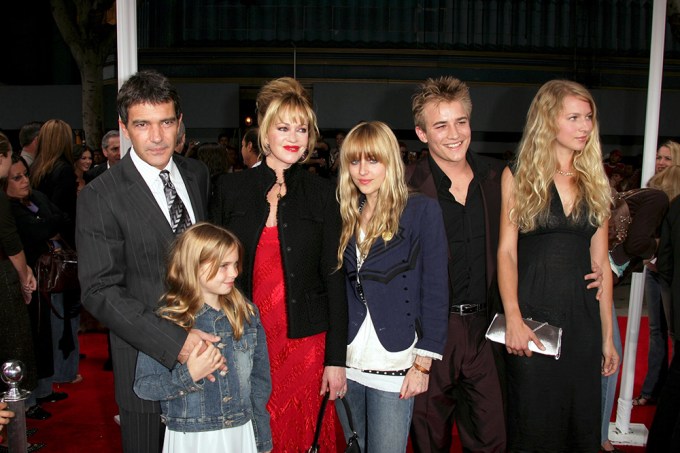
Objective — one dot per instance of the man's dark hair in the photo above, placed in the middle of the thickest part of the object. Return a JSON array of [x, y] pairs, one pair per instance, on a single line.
[[146, 87], [29, 132], [251, 137]]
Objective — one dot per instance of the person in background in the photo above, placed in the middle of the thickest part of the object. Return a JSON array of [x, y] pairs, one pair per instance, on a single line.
[[403, 152], [250, 150], [289, 223], [657, 292], [98, 157], [334, 155], [223, 139], [17, 284], [233, 161], [664, 433], [614, 162], [214, 157], [82, 162], [180, 146], [616, 178], [554, 225], [28, 139], [53, 174], [39, 223], [633, 231], [111, 150], [397, 311], [203, 264]]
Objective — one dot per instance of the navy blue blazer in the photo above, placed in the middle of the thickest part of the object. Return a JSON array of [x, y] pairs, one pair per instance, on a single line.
[[404, 281]]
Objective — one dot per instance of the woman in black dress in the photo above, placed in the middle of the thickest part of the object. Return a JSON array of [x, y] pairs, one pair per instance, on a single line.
[[555, 209]]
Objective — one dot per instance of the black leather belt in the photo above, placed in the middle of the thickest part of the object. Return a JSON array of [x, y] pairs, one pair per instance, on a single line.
[[467, 309]]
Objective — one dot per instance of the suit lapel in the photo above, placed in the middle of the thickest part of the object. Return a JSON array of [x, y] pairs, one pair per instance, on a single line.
[[142, 201], [191, 185]]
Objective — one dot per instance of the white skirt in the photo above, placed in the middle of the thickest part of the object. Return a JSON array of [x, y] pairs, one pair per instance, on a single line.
[[240, 439]]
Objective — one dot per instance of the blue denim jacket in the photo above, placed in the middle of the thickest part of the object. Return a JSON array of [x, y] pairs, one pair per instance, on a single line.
[[232, 400]]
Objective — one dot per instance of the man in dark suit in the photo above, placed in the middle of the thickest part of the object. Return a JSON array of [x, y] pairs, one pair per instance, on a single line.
[[111, 150], [124, 230]]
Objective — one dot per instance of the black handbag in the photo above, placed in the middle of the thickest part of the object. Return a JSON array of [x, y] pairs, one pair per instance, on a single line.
[[352, 442]]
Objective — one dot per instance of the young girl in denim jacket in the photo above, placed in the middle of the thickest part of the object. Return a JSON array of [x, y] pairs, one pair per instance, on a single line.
[[229, 413]]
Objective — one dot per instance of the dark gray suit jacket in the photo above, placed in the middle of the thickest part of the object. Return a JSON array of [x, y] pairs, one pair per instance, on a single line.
[[123, 239]]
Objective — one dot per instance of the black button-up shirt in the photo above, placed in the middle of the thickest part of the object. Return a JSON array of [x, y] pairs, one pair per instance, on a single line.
[[465, 232]]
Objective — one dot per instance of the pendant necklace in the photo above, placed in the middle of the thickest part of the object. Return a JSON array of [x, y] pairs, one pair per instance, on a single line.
[[565, 173], [280, 184]]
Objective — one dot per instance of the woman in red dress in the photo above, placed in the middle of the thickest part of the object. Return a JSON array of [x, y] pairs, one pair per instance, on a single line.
[[289, 223]]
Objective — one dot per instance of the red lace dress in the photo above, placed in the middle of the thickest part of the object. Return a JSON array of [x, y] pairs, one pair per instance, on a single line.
[[296, 364]]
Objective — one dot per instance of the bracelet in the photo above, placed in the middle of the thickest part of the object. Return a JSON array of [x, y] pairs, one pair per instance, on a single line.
[[420, 368]]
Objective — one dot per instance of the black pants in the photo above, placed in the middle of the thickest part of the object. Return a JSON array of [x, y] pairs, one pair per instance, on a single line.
[[141, 432]]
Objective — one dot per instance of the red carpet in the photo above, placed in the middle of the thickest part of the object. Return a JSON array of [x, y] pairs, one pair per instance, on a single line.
[[84, 421]]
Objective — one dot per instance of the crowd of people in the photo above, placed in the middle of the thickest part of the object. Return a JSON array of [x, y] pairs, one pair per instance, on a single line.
[[240, 289]]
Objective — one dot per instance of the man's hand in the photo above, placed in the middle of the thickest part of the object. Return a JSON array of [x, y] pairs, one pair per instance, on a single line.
[[596, 278], [196, 337]]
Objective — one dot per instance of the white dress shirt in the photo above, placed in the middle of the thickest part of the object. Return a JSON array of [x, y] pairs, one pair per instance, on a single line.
[[151, 176]]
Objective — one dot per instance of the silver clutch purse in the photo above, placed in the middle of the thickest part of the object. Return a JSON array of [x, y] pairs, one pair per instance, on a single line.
[[550, 336]]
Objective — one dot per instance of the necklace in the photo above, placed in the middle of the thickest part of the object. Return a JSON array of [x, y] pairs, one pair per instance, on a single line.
[[280, 184], [565, 173]]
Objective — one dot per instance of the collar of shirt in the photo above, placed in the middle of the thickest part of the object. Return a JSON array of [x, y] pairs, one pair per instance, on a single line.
[[151, 176], [479, 170]]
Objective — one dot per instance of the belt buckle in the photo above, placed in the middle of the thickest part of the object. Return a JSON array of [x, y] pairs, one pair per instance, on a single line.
[[468, 309]]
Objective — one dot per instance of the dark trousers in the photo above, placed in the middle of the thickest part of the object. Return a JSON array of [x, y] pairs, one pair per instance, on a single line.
[[664, 435], [464, 386], [141, 432]]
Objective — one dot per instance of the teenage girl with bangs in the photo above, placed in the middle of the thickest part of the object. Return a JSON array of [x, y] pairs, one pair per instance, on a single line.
[[393, 252], [205, 412]]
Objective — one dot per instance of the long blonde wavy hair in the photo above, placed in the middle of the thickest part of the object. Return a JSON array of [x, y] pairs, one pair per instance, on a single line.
[[372, 140], [537, 162], [200, 244]]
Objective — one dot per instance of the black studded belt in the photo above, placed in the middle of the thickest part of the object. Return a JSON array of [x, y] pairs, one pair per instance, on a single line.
[[388, 373]]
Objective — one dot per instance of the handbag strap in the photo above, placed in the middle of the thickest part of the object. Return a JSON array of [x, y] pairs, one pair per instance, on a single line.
[[319, 421]]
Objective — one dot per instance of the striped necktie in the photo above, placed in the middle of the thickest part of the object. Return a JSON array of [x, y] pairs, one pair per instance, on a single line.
[[179, 214]]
